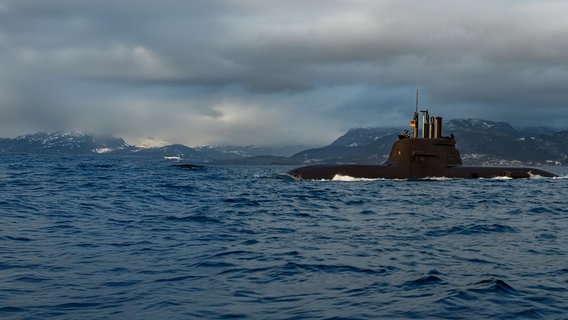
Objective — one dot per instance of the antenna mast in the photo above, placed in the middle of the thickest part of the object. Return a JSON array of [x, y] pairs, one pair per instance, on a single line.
[[415, 118], [416, 100]]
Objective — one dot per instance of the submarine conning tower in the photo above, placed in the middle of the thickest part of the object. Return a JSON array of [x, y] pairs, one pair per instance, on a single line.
[[429, 153]]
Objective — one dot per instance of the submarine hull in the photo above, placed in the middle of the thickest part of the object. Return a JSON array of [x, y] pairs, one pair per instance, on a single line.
[[328, 172]]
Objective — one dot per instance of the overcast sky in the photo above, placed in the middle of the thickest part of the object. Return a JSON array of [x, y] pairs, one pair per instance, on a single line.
[[276, 72]]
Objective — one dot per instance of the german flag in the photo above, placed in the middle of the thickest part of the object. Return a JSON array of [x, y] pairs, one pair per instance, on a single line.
[[412, 123]]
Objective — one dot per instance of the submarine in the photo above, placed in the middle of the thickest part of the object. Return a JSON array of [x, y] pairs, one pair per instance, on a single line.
[[430, 155]]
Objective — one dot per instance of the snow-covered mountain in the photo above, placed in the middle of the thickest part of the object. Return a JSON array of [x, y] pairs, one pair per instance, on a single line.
[[85, 143], [64, 142]]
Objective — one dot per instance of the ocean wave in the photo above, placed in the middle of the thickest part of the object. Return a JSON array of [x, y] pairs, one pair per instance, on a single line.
[[120, 238]]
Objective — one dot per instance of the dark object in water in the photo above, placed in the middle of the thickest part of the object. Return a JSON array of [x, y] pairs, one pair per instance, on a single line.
[[189, 166], [431, 155]]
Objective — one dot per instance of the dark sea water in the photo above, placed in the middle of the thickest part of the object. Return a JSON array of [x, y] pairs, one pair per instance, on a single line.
[[131, 238]]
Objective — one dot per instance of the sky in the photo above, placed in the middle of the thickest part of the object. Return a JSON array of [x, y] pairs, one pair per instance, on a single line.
[[266, 72]]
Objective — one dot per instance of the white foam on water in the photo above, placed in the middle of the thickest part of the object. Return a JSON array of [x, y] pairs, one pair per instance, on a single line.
[[340, 177]]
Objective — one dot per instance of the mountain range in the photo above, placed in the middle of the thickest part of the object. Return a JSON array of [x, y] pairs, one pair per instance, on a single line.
[[479, 142]]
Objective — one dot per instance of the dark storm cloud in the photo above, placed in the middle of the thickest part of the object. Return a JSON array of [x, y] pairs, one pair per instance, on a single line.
[[261, 72]]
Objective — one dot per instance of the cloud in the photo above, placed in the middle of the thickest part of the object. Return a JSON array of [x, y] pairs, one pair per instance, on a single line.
[[276, 72]]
